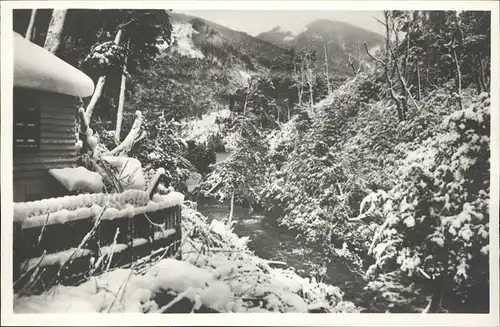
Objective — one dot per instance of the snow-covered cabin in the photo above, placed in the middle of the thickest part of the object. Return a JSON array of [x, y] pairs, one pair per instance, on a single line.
[[45, 95]]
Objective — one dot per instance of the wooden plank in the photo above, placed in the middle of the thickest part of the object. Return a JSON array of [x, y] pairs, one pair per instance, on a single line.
[[58, 135], [69, 153], [67, 116], [55, 121], [57, 141], [43, 160], [20, 176], [58, 147], [49, 98], [44, 166], [62, 105], [57, 128]]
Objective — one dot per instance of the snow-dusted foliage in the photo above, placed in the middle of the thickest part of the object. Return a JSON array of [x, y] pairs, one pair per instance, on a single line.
[[244, 171], [436, 218], [129, 171], [165, 148], [321, 169], [107, 56]]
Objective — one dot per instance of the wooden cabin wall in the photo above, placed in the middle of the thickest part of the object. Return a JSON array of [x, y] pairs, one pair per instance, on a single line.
[[57, 149]]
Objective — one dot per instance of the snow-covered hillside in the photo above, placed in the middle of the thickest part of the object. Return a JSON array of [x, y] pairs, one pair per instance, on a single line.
[[199, 129]]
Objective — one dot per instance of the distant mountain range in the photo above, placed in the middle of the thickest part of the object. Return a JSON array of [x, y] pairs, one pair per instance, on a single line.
[[340, 39], [213, 37]]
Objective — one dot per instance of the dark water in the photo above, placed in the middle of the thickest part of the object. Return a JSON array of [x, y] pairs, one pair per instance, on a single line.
[[270, 241]]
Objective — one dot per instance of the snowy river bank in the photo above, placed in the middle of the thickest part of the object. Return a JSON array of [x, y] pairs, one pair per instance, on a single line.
[[276, 243]]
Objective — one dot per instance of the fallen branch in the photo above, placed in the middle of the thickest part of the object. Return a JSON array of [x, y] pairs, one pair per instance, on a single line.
[[122, 286], [43, 229], [279, 263], [360, 217], [179, 297], [30, 269], [133, 136]]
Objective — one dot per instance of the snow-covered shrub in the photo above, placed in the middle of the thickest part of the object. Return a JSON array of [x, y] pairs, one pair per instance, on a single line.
[[244, 171], [201, 156], [164, 148], [437, 216], [107, 56], [128, 171]]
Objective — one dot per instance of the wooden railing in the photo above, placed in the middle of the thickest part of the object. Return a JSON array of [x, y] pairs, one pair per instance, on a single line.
[[67, 252]]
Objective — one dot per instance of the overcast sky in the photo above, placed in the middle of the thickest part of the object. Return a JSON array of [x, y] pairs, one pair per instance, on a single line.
[[254, 22]]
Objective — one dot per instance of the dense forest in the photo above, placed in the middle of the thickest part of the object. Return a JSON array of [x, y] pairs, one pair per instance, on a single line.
[[379, 159]]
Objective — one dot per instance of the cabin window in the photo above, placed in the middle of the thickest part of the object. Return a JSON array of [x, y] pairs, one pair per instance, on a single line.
[[27, 120]]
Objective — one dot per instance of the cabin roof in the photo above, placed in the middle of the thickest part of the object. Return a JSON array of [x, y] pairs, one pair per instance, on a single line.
[[39, 69]]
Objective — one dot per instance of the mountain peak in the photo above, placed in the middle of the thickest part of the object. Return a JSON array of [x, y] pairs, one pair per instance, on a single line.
[[341, 38]]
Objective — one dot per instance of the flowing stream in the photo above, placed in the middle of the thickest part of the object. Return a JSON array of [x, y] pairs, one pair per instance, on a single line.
[[272, 242]]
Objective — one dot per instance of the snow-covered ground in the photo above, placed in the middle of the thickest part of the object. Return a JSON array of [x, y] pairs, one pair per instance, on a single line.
[[217, 272], [199, 129]]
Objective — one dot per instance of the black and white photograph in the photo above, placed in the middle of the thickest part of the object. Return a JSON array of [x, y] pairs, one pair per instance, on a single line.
[[255, 160]]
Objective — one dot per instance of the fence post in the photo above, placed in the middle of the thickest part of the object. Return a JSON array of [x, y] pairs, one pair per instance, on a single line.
[[153, 184], [178, 230], [17, 251]]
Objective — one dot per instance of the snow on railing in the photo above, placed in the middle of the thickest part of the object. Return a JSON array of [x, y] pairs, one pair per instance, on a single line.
[[71, 208], [56, 233]]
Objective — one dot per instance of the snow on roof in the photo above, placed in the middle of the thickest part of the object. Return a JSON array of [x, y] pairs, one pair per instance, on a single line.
[[37, 68]]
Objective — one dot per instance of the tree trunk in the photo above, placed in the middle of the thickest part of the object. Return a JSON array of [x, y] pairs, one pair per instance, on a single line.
[[231, 210], [301, 81], [475, 74], [437, 295], [95, 97], [458, 76], [393, 94], [326, 70], [55, 31], [482, 78], [29, 31], [278, 109], [245, 105], [311, 99], [121, 102], [403, 81], [100, 85], [418, 81], [427, 64]]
